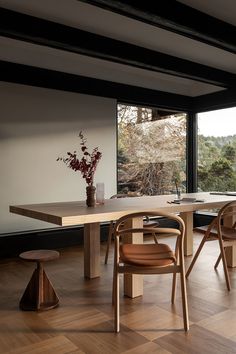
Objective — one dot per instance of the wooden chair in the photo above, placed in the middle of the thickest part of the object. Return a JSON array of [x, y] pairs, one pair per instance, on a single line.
[[39, 294], [217, 230], [155, 258], [147, 222]]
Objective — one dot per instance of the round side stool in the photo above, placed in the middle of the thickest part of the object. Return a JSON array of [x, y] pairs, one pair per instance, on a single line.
[[39, 294]]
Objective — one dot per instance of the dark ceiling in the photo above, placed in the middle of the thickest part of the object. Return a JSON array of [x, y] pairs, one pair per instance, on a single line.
[[171, 54]]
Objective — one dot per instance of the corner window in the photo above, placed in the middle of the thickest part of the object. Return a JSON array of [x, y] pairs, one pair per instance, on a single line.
[[151, 150], [217, 150]]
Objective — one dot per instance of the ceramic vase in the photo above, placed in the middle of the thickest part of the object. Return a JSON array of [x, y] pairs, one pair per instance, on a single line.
[[90, 193]]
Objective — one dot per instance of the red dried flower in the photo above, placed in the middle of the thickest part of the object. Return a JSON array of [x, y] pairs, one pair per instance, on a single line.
[[87, 164]]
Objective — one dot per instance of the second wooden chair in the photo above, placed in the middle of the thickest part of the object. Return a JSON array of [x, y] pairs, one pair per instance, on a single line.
[[222, 229]]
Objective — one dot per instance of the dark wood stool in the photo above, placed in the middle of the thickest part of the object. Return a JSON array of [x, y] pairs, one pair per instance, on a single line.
[[39, 294]]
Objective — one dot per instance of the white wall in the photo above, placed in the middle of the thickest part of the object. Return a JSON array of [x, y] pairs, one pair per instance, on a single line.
[[36, 126]]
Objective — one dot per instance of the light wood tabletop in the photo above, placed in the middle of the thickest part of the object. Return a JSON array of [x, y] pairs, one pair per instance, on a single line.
[[77, 213], [73, 213]]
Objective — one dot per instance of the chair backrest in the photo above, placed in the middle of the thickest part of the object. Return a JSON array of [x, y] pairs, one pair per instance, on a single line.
[[177, 230], [125, 195], [226, 217], [129, 195]]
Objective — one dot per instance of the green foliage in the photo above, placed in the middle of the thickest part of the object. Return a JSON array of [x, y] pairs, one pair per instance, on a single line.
[[216, 164], [221, 168], [229, 152]]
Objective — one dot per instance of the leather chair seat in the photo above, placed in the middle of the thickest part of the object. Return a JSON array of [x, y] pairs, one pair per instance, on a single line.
[[147, 255]]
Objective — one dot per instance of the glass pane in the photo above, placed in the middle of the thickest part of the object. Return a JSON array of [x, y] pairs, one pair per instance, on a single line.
[[151, 150], [217, 150]]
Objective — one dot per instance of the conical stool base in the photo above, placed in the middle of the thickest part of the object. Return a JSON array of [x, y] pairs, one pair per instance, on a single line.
[[39, 294]]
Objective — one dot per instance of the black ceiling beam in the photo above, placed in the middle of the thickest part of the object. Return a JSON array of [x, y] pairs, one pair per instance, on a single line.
[[214, 101], [29, 75], [176, 17], [38, 77], [38, 31]]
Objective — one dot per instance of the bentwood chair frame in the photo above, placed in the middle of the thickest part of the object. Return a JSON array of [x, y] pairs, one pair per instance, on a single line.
[[147, 222], [166, 261], [217, 230]]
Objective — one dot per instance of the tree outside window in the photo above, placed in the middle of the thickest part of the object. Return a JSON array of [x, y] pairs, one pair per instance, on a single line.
[[217, 151], [151, 150]]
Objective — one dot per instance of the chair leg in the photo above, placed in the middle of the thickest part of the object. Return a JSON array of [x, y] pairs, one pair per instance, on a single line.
[[117, 302], [175, 274], [110, 233], [173, 288], [184, 298], [218, 261], [114, 284], [196, 256], [222, 250]]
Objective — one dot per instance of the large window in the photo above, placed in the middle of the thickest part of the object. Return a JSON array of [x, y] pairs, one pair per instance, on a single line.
[[151, 150], [217, 150]]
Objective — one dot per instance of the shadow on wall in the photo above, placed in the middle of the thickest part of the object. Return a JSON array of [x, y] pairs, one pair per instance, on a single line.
[[28, 111]]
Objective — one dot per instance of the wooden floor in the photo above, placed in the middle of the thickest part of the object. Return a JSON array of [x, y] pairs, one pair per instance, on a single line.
[[149, 324]]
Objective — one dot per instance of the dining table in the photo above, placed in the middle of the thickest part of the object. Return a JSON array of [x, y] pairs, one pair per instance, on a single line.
[[77, 213]]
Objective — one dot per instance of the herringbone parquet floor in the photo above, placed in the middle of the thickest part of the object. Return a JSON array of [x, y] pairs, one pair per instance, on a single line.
[[149, 324]]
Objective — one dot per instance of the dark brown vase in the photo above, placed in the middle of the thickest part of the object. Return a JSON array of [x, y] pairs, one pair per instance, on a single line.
[[90, 192]]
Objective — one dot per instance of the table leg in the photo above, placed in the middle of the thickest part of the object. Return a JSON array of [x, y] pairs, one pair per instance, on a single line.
[[133, 283], [230, 252], [92, 250], [188, 239]]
